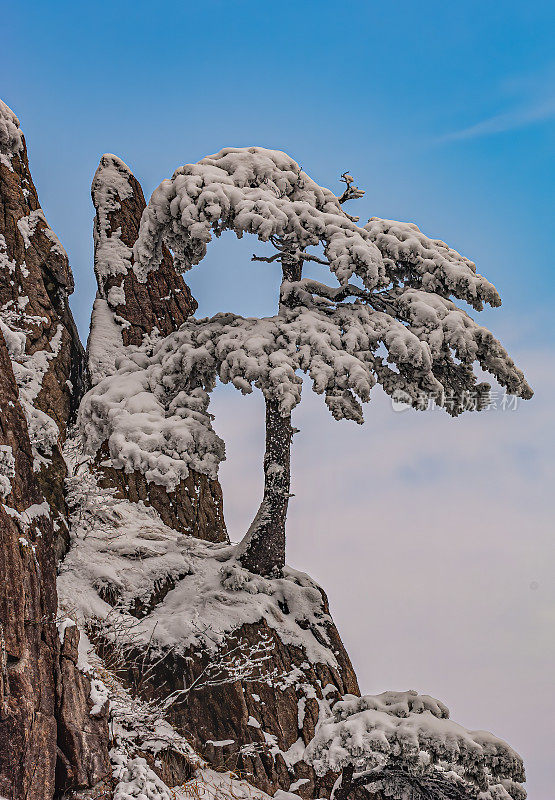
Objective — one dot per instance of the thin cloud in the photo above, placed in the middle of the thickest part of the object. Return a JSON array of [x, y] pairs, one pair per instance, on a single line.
[[508, 121]]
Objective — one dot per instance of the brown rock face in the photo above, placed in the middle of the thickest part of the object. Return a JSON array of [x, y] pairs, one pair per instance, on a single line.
[[195, 507], [42, 694], [40, 380], [264, 726], [82, 739], [130, 311], [164, 302], [27, 609], [48, 359]]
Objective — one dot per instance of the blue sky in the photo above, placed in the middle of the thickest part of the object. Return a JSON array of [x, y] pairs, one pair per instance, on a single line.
[[445, 114]]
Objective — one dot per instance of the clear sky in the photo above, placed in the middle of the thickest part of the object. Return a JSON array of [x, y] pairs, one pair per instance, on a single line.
[[433, 537]]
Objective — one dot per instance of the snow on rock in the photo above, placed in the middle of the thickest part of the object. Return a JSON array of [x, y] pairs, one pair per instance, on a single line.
[[125, 547], [7, 469], [28, 226], [414, 732], [105, 342], [6, 263], [29, 371], [116, 296], [99, 696], [138, 728], [110, 187], [62, 624], [112, 257], [11, 140]]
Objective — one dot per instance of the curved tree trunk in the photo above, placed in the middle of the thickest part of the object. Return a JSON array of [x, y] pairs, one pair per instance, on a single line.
[[263, 548]]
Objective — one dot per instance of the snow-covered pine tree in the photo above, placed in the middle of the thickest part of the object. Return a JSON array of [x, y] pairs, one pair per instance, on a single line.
[[404, 746], [388, 319]]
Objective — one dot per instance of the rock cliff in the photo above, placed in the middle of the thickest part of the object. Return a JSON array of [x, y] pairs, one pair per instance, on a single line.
[[48, 741]]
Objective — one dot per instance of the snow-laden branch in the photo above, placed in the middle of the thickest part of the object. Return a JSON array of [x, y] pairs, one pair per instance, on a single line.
[[394, 324], [351, 191], [400, 740], [153, 411], [264, 192]]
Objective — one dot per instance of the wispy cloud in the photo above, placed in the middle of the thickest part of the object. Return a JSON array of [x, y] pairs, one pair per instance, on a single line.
[[510, 120], [529, 99]]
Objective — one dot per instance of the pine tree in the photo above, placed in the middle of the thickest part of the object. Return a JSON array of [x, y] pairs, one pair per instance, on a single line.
[[389, 319], [404, 746]]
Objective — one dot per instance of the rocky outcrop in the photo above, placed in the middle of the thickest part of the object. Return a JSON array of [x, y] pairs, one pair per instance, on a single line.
[[47, 356], [43, 697], [81, 737], [128, 312], [41, 363], [27, 609], [260, 728], [50, 742]]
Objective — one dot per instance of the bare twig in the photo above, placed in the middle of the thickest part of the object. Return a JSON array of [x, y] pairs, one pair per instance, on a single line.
[[351, 191]]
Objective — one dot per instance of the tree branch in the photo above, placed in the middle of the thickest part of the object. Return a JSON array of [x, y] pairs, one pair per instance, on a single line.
[[381, 301], [298, 255], [309, 257], [265, 258], [351, 192]]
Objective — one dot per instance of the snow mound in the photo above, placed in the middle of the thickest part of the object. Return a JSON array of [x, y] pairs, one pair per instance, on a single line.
[[122, 553]]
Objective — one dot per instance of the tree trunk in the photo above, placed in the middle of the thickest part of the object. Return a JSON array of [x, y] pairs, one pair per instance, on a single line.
[[263, 548]]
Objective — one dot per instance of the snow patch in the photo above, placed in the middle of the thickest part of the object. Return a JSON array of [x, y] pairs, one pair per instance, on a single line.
[[126, 546], [5, 262], [116, 296], [29, 371], [11, 140], [105, 343], [110, 187], [28, 226], [7, 469], [99, 695]]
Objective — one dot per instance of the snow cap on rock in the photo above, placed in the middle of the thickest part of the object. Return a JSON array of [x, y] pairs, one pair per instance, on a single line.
[[10, 132]]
